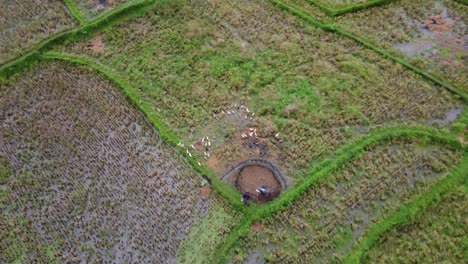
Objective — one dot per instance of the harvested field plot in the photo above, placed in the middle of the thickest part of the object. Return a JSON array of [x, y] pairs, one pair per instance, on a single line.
[[91, 179], [23, 24], [432, 34], [442, 226], [234, 66], [323, 225]]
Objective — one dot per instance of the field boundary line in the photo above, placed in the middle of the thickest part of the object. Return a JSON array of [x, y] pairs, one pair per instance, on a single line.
[[327, 10], [409, 212], [334, 29], [352, 8], [24, 61], [406, 64], [353, 150], [322, 171], [226, 191], [75, 11]]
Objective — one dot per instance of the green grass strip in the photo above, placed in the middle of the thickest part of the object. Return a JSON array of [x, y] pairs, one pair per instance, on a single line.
[[359, 7], [350, 8], [401, 61], [335, 29], [350, 152], [408, 213], [222, 254], [324, 8], [325, 169], [225, 190], [460, 126], [75, 11], [123, 12]]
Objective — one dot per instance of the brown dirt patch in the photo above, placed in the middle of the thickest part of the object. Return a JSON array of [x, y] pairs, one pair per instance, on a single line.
[[96, 44], [205, 191], [252, 177], [256, 226], [199, 145], [213, 162], [437, 24]]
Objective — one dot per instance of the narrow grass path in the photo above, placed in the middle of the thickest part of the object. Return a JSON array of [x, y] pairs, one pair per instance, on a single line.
[[75, 11], [333, 12], [324, 170], [225, 190], [123, 12], [408, 213], [335, 29]]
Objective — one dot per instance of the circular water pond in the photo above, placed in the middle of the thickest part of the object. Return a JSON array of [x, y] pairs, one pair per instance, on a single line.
[[258, 179]]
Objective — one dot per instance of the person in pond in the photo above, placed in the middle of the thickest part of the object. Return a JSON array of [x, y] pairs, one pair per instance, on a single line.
[[264, 190], [246, 198]]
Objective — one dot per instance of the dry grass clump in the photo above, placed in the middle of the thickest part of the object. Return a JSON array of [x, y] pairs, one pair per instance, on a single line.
[[431, 34], [324, 224], [92, 177], [227, 52], [440, 233], [25, 23]]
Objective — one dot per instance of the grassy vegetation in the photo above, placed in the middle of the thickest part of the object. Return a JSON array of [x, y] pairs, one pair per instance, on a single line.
[[208, 234], [324, 170], [18, 238], [341, 207], [317, 95], [336, 8], [24, 61], [403, 28], [19, 242], [362, 41], [175, 87], [25, 23], [75, 11], [465, 2], [409, 212], [164, 131], [440, 230], [361, 6]]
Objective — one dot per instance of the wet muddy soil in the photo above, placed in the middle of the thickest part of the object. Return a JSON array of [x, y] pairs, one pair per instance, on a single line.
[[441, 39], [252, 177]]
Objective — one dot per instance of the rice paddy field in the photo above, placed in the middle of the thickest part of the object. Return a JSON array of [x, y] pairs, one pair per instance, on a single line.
[[430, 34], [134, 131], [23, 24]]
